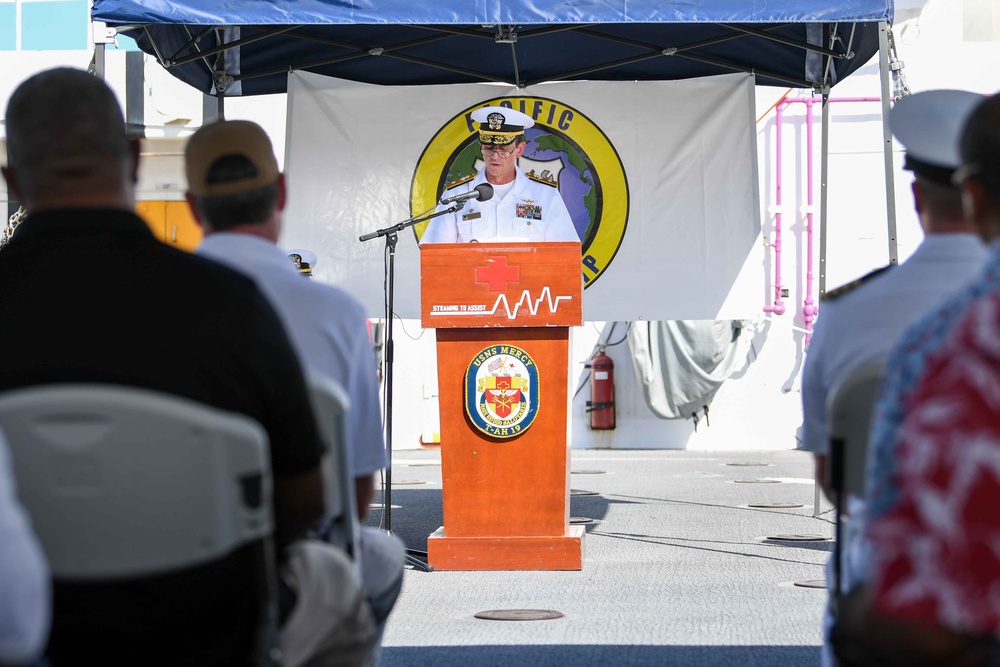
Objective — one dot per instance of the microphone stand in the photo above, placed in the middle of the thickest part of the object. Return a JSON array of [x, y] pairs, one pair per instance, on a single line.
[[390, 234]]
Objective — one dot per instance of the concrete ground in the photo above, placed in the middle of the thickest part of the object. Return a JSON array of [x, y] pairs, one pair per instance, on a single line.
[[678, 569]]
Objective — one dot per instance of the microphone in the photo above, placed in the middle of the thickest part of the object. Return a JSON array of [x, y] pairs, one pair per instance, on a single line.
[[482, 192]]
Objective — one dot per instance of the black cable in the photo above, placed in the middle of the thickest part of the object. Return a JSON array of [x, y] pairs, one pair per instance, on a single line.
[[403, 327], [601, 347], [620, 340]]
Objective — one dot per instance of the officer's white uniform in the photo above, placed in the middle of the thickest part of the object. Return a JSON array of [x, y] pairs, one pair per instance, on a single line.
[[862, 323], [530, 212], [522, 210]]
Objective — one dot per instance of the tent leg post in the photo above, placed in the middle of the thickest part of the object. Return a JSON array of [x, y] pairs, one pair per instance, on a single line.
[[221, 84], [890, 188], [209, 109], [98, 64], [824, 173]]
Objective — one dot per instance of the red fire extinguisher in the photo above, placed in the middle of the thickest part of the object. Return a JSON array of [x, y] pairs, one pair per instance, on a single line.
[[601, 405]]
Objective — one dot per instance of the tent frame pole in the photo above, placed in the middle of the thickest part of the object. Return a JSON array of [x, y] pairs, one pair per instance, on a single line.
[[824, 175], [890, 187], [824, 171]]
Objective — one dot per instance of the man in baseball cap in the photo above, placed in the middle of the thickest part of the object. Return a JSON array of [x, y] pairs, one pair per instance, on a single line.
[[237, 194], [240, 139]]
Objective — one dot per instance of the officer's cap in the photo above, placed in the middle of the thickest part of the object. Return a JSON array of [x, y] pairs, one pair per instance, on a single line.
[[500, 125], [303, 260], [229, 138], [929, 125]]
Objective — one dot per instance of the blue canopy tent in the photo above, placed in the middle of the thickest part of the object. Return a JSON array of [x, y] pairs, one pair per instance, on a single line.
[[247, 47], [807, 43], [228, 48]]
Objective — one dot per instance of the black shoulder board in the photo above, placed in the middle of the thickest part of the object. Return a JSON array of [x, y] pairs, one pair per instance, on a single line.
[[853, 285], [457, 182]]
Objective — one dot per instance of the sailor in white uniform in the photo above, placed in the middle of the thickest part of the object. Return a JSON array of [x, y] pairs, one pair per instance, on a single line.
[[523, 208], [303, 260], [861, 321]]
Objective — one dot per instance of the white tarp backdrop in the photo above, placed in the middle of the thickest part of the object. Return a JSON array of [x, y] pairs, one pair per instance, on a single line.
[[660, 178]]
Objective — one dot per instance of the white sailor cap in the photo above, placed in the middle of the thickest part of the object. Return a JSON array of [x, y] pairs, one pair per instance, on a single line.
[[929, 125], [500, 125], [303, 260]]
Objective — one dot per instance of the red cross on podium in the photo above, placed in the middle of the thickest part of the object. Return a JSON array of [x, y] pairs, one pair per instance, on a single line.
[[503, 397], [497, 274]]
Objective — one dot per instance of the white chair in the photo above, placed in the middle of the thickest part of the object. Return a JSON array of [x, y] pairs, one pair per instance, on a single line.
[[123, 482], [849, 410], [331, 405]]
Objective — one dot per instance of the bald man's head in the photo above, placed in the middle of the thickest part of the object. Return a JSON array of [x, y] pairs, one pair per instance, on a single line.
[[66, 142]]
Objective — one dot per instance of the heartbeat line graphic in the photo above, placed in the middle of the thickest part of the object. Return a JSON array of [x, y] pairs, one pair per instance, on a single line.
[[525, 301]]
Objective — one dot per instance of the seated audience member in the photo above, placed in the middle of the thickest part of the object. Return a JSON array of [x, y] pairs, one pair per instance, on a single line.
[[111, 304], [237, 195], [934, 531], [860, 322], [25, 595], [303, 261]]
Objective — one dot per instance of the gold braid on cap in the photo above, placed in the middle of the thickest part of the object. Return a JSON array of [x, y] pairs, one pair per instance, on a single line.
[[498, 138], [492, 131]]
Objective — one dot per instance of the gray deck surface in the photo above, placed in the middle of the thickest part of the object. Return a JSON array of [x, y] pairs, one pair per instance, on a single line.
[[678, 570]]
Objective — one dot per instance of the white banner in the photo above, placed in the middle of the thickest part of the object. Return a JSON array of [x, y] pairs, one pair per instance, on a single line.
[[660, 178]]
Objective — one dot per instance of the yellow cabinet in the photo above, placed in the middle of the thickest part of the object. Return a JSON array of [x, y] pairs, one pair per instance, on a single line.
[[171, 222], [154, 213]]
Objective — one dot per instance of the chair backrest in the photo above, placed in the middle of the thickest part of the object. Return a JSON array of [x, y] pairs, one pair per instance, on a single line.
[[849, 411], [123, 482], [331, 405]]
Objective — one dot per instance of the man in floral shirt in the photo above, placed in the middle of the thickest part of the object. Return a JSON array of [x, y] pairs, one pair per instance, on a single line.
[[935, 535]]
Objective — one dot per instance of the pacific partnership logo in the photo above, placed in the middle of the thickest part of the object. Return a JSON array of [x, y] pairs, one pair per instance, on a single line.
[[564, 148]]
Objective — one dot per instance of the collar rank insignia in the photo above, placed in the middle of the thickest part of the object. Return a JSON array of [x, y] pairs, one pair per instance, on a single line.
[[501, 391]]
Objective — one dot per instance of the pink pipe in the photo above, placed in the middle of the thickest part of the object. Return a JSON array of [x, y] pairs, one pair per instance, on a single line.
[[809, 306], [779, 305]]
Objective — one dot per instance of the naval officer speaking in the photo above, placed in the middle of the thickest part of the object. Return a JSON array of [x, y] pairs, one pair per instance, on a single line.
[[502, 203]]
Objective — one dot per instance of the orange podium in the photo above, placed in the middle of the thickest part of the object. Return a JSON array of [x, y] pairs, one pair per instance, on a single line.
[[502, 313]]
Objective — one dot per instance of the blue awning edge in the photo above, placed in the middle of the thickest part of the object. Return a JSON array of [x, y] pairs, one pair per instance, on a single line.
[[803, 44]]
